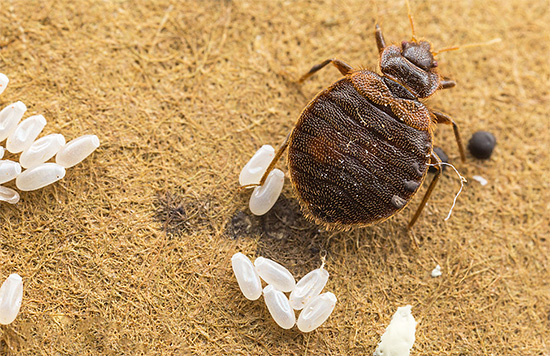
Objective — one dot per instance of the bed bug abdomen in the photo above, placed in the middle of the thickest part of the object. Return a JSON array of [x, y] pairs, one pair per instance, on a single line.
[[359, 152]]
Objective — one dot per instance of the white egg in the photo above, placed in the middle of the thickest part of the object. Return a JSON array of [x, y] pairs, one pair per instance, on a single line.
[[279, 308], [11, 295], [77, 150], [25, 133], [3, 82], [253, 171], [247, 277], [316, 312], [264, 197], [275, 274], [39, 176], [8, 195], [9, 170], [41, 150], [308, 287], [398, 339], [10, 117]]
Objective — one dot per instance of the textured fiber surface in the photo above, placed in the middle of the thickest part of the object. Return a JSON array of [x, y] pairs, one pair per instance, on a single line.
[[130, 252]]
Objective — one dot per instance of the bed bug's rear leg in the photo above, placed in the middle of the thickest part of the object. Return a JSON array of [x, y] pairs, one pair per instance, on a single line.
[[343, 67], [436, 161], [379, 38], [442, 118]]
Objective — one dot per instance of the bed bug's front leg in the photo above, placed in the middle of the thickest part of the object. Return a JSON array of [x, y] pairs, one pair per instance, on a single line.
[[343, 67], [436, 161], [380, 42], [442, 118], [446, 83]]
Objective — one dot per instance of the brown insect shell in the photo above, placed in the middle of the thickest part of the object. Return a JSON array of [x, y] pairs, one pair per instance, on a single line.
[[359, 151]]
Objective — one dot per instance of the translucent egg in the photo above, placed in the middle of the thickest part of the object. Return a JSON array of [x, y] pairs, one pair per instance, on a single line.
[[247, 277], [11, 295], [308, 287], [264, 197], [9, 170], [10, 117], [77, 150], [9, 195], [42, 150], [3, 82], [253, 171], [316, 312], [279, 308], [39, 176], [275, 274], [25, 133]]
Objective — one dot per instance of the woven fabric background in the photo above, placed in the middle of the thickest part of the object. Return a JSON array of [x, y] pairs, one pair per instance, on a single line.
[[130, 252]]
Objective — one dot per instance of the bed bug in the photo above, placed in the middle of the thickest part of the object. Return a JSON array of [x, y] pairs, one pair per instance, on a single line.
[[361, 148]]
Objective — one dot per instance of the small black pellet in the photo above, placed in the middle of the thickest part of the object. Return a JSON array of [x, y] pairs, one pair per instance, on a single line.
[[481, 144], [444, 158]]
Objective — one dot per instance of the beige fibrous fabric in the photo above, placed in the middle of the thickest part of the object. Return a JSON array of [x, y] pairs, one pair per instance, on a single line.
[[130, 253]]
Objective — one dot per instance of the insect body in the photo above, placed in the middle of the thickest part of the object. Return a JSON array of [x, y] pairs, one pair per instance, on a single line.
[[361, 148]]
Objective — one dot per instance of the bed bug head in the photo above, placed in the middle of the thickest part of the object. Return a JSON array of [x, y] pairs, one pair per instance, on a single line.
[[419, 54], [413, 66]]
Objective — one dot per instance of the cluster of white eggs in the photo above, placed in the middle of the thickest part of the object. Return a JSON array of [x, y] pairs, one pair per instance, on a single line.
[[11, 295], [20, 137], [263, 197], [304, 295]]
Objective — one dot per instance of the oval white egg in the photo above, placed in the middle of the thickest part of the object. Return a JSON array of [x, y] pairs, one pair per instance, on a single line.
[[39, 176], [77, 150], [11, 296], [275, 274], [308, 286], [264, 197], [279, 308], [254, 169], [316, 312], [246, 275]]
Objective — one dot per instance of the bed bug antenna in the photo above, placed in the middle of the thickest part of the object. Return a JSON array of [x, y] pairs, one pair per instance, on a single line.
[[409, 13], [462, 181], [468, 45]]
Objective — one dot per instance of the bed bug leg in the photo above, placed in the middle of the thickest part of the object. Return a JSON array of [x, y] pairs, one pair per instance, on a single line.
[[272, 164], [380, 42], [442, 118], [343, 67], [436, 161]]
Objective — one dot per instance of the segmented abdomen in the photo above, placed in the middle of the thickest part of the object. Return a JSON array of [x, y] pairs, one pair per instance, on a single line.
[[353, 162]]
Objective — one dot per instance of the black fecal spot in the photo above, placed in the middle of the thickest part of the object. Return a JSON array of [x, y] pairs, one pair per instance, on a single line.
[[181, 213], [411, 185], [398, 202], [239, 225], [481, 144], [285, 234]]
